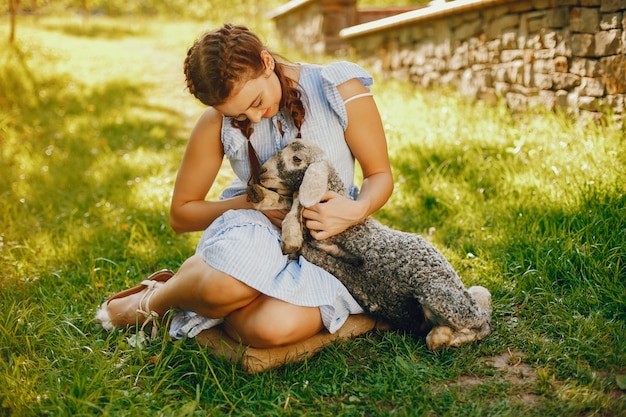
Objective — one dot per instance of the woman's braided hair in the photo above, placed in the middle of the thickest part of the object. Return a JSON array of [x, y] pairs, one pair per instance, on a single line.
[[221, 61]]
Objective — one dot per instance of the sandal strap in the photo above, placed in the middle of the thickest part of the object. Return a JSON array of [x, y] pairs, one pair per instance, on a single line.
[[144, 305]]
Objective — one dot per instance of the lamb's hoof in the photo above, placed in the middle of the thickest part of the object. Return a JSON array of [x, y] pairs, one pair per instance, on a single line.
[[290, 248], [444, 336], [482, 296], [438, 337], [462, 337]]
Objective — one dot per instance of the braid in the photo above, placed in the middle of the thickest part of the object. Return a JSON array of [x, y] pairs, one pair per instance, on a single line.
[[220, 60], [292, 99]]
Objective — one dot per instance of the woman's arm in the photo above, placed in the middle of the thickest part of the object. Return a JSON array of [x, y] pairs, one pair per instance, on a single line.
[[366, 138], [202, 160]]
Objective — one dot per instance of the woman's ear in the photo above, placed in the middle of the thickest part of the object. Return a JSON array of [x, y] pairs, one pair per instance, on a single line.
[[268, 61], [314, 184]]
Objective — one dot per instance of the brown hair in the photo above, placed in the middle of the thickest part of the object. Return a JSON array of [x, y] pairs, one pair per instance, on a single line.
[[221, 61]]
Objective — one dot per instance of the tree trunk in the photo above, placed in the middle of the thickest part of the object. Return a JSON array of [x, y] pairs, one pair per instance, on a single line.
[[12, 12]]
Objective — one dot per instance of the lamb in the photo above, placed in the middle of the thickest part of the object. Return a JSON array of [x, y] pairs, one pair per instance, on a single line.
[[396, 276]]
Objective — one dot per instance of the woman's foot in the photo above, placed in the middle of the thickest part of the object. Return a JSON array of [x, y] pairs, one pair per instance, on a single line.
[[129, 310], [132, 306]]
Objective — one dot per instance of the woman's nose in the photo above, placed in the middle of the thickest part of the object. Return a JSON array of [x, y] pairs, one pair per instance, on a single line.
[[254, 115]]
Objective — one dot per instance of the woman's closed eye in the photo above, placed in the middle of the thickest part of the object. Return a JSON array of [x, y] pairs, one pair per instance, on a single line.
[[241, 117]]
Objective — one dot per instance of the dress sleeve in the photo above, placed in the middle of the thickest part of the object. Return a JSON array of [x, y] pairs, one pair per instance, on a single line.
[[336, 74]]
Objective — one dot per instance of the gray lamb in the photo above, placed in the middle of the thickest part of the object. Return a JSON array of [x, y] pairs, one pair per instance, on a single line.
[[397, 276]]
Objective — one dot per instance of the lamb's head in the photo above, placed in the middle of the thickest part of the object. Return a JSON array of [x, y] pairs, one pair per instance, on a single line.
[[291, 167]]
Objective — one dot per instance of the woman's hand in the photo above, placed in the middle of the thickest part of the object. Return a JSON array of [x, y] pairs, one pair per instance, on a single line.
[[334, 214], [276, 216]]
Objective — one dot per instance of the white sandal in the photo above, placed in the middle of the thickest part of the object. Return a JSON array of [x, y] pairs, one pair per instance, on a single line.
[[152, 283]]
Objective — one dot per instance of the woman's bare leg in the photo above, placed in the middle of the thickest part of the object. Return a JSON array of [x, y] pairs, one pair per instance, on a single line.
[[269, 322], [251, 317], [196, 287]]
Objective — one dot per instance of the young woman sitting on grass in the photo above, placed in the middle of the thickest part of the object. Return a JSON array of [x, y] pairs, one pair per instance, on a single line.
[[238, 275]]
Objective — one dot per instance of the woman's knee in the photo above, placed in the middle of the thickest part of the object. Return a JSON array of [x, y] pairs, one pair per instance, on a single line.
[[271, 323], [214, 288]]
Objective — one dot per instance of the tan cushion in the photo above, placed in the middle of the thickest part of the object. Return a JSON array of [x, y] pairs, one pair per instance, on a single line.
[[255, 360]]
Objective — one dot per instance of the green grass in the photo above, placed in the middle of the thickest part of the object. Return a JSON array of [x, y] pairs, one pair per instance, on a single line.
[[93, 122]]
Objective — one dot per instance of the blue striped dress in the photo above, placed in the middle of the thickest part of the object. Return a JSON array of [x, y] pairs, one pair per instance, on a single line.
[[244, 244]]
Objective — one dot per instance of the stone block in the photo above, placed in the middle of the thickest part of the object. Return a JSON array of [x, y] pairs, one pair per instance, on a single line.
[[590, 103], [509, 40], [544, 54], [468, 29], [565, 81], [515, 73], [561, 64], [542, 81], [549, 39], [535, 24], [611, 21], [501, 88], [613, 70], [496, 27], [523, 89], [443, 49], [585, 67], [528, 75], [564, 47], [583, 44], [544, 66], [617, 103], [479, 56], [495, 12], [561, 98], [558, 17], [593, 87], [510, 55], [584, 19], [607, 42], [590, 3], [532, 40], [607, 6], [494, 45], [516, 101]]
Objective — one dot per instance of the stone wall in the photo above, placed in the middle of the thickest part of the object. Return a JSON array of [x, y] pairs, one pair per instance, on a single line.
[[565, 54], [313, 26]]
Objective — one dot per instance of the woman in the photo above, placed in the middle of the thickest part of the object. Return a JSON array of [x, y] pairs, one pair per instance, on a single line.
[[238, 274]]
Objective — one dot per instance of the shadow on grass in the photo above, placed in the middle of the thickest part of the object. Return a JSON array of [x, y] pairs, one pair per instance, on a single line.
[[86, 174]]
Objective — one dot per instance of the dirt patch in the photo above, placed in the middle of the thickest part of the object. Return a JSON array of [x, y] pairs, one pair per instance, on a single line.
[[512, 368]]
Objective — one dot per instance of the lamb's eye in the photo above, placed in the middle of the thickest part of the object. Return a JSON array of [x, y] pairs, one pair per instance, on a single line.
[[297, 159]]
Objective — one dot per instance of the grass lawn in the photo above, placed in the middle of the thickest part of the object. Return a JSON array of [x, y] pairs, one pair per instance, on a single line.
[[94, 119]]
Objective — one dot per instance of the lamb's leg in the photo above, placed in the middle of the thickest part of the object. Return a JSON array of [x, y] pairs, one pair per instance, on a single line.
[[445, 335], [292, 233]]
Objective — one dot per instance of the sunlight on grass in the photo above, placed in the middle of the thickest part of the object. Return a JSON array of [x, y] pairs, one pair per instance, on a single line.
[[93, 126]]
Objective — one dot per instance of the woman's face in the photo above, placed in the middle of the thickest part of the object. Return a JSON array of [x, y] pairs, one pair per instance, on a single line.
[[256, 98]]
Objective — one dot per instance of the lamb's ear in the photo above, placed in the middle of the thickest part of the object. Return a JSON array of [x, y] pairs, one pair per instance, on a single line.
[[314, 184]]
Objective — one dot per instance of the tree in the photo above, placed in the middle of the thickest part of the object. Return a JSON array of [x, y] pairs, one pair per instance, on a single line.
[[13, 6]]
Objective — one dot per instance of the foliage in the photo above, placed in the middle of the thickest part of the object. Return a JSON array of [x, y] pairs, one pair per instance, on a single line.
[[216, 10], [93, 122]]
